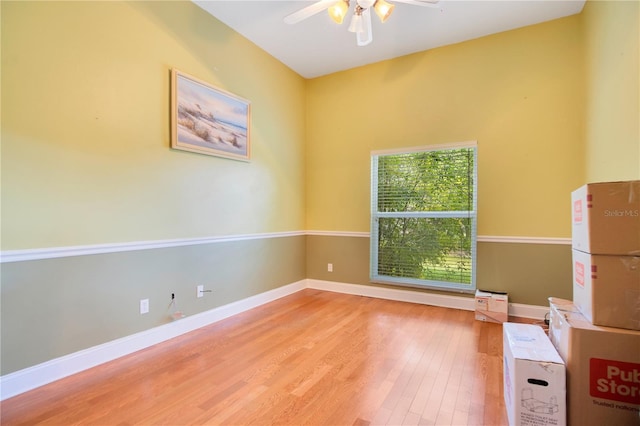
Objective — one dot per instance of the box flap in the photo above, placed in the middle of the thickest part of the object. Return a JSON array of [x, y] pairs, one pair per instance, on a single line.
[[530, 342]]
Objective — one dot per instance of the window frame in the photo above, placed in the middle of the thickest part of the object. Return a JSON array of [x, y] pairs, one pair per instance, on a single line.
[[375, 277]]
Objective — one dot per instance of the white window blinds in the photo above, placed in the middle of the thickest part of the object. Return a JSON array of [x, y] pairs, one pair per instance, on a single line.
[[423, 217]]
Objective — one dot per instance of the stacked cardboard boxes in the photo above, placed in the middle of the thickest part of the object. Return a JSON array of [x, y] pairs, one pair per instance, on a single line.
[[598, 335], [606, 253]]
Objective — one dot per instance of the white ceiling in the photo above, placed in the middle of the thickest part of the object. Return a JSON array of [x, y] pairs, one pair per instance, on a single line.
[[318, 46]]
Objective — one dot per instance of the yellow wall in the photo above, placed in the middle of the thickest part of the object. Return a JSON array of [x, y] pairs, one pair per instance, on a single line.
[[612, 45], [520, 94], [85, 127]]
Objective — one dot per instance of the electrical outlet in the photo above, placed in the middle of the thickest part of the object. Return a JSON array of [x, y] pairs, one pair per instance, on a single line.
[[329, 267], [200, 291], [144, 306]]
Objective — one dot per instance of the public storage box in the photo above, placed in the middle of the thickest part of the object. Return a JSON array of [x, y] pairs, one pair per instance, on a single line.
[[534, 377], [606, 218], [492, 306], [606, 289], [603, 368]]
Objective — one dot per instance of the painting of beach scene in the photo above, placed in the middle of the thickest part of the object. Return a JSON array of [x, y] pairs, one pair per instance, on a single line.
[[207, 120]]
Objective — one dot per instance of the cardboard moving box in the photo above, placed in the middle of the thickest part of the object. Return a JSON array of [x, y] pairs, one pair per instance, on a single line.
[[603, 368], [606, 289], [492, 306], [534, 377], [606, 218]]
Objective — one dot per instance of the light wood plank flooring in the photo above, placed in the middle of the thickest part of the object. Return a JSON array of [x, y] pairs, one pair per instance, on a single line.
[[310, 358]]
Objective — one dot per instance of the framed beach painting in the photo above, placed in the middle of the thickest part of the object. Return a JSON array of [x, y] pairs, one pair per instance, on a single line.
[[208, 120]]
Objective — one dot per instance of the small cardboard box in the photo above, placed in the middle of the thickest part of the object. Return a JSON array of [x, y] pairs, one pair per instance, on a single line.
[[534, 377], [606, 289], [606, 218], [492, 306], [603, 368]]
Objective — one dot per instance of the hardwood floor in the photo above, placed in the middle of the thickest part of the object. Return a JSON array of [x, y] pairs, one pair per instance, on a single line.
[[310, 358]]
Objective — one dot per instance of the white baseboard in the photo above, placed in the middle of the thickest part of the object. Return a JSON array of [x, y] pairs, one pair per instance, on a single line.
[[528, 311], [32, 377], [398, 294], [406, 295]]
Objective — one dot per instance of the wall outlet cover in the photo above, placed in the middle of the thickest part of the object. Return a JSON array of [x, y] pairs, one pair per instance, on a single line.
[[144, 306]]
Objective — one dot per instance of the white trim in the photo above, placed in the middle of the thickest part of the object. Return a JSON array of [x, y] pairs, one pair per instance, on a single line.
[[425, 148], [443, 300], [528, 311], [32, 377], [340, 234], [481, 238], [39, 375], [524, 240], [397, 294], [54, 252]]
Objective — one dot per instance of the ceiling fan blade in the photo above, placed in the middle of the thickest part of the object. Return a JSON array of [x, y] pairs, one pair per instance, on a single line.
[[308, 11], [424, 3], [366, 36]]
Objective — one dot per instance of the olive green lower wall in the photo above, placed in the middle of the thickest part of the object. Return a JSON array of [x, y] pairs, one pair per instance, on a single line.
[[58, 306], [529, 272], [54, 307]]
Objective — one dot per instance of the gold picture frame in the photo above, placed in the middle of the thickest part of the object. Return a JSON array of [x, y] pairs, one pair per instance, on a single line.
[[208, 120]]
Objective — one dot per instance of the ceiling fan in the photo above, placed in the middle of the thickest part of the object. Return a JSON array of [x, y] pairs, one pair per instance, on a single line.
[[360, 23]]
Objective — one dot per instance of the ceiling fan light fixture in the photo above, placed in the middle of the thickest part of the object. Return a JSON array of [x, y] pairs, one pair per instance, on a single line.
[[383, 9], [356, 25], [338, 11]]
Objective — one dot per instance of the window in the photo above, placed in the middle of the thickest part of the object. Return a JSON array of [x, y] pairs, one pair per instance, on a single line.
[[423, 217]]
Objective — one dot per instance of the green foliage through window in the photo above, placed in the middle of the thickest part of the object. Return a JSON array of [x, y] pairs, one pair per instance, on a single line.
[[424, 218]]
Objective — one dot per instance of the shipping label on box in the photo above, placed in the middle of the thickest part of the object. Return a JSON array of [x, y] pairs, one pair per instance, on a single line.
[[606, 218], [606, 289], [534, 377], [603, 368], [492, 306]]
